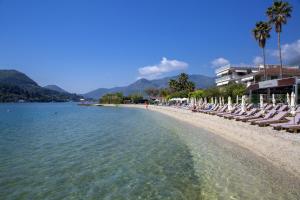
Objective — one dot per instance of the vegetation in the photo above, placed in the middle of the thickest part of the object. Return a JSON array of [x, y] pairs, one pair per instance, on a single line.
[[119, 98], [112, 98], [152, 92], [15, 93], [182, 84], [278, 14], [136, 98], [231, 90], [16, 86], [261, 33]]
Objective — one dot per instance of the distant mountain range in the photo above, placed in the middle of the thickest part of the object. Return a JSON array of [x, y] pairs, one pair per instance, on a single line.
[[141, 85], [16, 86]]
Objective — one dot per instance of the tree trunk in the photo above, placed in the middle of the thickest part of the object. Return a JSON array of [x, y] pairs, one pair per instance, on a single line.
[[279, 49], [265, 69]]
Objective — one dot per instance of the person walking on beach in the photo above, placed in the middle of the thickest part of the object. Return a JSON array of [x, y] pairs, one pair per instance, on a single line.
[[146, 104]]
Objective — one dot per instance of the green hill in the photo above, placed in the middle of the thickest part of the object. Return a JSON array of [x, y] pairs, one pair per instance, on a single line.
[[15, 86]]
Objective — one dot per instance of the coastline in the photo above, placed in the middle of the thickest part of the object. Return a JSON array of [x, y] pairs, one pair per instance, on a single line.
[[280, 148]]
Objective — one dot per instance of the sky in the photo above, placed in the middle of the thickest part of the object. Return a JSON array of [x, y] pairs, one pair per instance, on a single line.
[[82, 45]]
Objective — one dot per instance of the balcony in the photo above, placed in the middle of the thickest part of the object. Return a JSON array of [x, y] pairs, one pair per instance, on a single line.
[[221, 69], [226, 78]]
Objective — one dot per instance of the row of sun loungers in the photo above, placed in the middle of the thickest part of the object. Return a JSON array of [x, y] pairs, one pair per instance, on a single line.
[[279, 116]]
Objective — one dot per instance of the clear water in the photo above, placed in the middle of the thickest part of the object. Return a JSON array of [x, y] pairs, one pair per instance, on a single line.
[[64, 151]]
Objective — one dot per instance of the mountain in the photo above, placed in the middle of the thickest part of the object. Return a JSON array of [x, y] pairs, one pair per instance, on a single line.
[[140, 85], [14, 77], [55, 88], [16, 86]]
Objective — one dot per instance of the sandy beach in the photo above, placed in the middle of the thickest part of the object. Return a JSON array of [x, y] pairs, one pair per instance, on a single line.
[[280, 148]]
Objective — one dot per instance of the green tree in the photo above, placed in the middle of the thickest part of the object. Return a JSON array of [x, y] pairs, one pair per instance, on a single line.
[[136, 98], [211, 92], [173, 85], [261, 33], [182, 84], [278, 14], [152, 92], [112, 98], [197, 94]]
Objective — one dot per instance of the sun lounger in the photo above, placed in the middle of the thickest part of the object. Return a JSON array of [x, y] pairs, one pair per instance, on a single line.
[[233, 112], [248, 114], [278, 118], [240, 113], [257, 115], [292, 128], [293, 121], [213, 108], [270, 114], [221, 110]]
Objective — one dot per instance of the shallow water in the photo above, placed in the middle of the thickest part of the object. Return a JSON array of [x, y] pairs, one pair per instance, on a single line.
[[64, 151]]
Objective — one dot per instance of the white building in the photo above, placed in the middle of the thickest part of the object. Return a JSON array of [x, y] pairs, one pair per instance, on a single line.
[[229, 73]]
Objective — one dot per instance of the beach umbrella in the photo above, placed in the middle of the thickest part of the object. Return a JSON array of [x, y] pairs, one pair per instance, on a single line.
[[237, 99], [293, 103], [288, 99], [216, 100], [243, 104], [220, 100], [205, 100], [229, 104], [212, 100], [223, 100], [273, 100], [261, 101]]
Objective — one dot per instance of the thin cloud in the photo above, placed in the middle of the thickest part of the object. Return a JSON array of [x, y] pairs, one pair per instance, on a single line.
[[165, 66], [290, 53], [219, 62], [258, 60]]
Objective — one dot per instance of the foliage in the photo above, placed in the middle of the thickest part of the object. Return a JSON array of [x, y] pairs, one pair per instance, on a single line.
[[33, 93], [212, 92], [182, 84], [233, 90], [225, 91], [152, 92], [136, 98], [197, 94], [179, 94], [112, 98], [261, 33], [278, 14], [164, 93]]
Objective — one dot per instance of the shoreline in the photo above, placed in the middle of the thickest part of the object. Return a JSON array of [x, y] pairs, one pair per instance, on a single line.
[[280, 148]]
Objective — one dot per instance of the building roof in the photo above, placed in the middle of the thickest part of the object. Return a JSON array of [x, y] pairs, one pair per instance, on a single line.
[[276, 71]]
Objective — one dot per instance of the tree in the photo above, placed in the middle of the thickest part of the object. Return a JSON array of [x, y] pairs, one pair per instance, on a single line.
[[173, 85], [197, 94], [112, 98], [182, 84], [152, 92], [211, 92], [261, 33], [136, 98], [278, 14]]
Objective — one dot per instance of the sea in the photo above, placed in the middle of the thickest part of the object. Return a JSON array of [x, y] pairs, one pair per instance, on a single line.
[[65, 151]]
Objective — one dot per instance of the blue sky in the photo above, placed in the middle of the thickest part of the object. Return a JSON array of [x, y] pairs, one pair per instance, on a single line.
[[83, 45]]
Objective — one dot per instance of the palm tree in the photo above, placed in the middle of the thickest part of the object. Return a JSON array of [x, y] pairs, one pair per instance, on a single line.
[[261, 33], [173, 85], [278, 14]]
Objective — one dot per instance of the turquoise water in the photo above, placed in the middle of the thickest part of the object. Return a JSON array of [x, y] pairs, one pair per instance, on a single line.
[[64, 151]]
